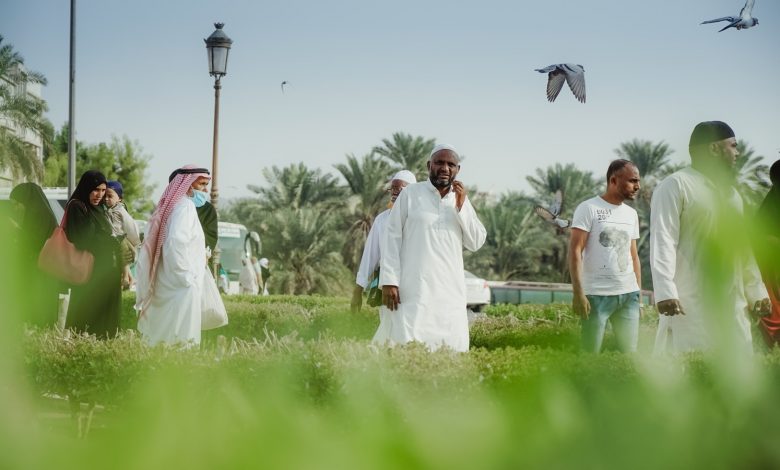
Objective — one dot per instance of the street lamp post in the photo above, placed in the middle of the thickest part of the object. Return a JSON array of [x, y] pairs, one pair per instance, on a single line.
[[218, 47]]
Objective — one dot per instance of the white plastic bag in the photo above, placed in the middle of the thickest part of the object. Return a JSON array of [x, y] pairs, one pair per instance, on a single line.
[[213, 313]]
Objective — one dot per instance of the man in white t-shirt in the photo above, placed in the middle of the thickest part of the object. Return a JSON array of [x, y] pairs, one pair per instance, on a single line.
[[604, 263]]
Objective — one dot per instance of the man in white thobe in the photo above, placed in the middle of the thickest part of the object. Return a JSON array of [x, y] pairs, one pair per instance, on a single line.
[[421, 270], [697, 289], [372, 251], [247, 279], [172, 263]]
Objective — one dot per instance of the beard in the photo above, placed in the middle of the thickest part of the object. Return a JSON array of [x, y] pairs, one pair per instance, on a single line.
[[440, 183], [726, 170], [726, 167]]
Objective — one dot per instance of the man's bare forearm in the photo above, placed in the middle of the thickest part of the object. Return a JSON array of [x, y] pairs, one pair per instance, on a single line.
[[575, 267]]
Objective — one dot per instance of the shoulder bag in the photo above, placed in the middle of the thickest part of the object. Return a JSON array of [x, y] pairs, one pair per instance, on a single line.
[[212, 311], [61, 259]]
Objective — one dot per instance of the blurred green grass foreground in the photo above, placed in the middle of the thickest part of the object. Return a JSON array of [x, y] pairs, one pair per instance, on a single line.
[[293, 382]]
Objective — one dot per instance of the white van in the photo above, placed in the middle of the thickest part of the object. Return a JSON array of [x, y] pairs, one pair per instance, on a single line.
[[235, 243], [57, 198]]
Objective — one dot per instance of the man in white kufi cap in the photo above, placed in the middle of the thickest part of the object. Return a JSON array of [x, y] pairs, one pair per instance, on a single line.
[[369, 262], [421, 274]]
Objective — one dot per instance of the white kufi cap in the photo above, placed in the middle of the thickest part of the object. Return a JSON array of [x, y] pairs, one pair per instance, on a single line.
[[441, 147], [406, 176]]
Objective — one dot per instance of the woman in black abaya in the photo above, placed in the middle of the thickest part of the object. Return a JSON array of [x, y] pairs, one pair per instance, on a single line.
[[96, 305], [39, 299]]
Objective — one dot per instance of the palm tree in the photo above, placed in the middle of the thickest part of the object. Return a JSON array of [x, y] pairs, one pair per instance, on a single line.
[[649, 157], [515, 242], [304, 245], [247, 211], [366, 179], [652, 161], [575, 186], [407, 152], [297, 186], [752, 176], [21, 111]]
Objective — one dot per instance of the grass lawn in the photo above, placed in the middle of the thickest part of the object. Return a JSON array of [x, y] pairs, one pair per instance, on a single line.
[[293, 382]]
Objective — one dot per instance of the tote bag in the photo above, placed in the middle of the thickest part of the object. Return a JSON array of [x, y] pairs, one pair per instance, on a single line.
[[61, 259], [212, 312]]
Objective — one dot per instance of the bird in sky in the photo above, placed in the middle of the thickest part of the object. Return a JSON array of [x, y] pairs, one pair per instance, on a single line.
[[551, 215], [283, 84], [745, 19], [572, 74]]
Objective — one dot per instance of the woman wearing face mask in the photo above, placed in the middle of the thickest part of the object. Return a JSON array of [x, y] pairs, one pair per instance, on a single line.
[[94, 306], [172, 262]]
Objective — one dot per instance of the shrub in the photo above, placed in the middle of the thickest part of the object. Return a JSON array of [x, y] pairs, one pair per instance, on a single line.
[[294, 382]]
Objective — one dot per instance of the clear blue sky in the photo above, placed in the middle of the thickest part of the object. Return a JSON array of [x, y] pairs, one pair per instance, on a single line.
[[358, 71]]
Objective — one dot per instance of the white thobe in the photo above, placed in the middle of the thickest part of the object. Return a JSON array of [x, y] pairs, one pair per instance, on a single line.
[[247, 280], [174, 311], [422, 254], [372, 251], [684, 215]]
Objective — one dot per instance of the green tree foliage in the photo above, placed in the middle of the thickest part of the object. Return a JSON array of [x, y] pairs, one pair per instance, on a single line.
[[298, 186], [21, 110], [575, 186], [366, 180], [752, 176], [407, 152], [246, 210], [129, 168], [649, 157], [55, 159], [291, 210], [300, 215], [121, 159], [305, 246], [516, 242]]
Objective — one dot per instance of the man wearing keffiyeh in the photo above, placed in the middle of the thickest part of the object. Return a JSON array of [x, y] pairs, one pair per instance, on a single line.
[[172, 262]]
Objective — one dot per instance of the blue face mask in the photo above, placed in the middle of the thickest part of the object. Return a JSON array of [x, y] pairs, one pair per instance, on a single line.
[[199, 198]]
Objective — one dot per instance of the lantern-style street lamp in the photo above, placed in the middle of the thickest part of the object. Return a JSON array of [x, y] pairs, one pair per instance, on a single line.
[[218, 47]]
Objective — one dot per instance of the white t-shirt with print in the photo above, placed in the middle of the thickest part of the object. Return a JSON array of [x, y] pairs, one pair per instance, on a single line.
[[607, 267]]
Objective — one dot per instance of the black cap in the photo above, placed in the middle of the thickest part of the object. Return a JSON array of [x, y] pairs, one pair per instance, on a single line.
[[708, 132], [774, 172]]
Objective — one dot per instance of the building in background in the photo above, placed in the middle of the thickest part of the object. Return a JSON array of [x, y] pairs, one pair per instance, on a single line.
[[16, 137]]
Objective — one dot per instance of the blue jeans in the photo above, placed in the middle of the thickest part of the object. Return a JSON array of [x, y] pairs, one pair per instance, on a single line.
[[620, 310]]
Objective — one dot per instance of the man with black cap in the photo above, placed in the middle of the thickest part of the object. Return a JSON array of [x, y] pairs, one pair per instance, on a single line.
[[703, 288]]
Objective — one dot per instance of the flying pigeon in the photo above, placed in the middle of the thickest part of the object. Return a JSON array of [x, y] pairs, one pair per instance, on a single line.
[[283, 84], [572, 74], [743, 21], [551, 215]]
